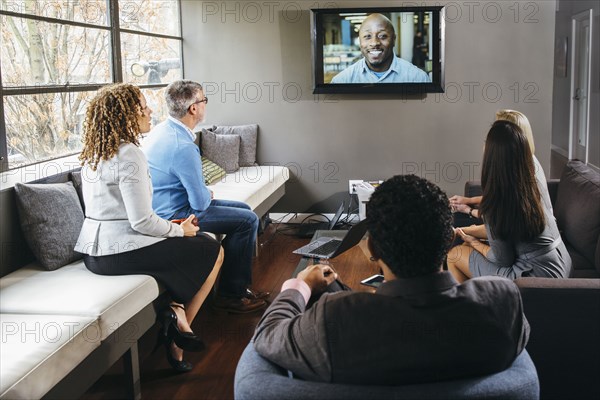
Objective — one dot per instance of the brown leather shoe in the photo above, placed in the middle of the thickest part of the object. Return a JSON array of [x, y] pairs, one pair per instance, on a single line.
[[256, 295], [239, 305]]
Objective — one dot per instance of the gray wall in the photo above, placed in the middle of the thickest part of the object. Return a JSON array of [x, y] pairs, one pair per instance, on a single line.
[[255, 61], [562, 84]]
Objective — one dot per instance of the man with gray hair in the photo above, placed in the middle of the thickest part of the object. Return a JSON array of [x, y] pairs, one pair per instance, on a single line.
[[180, 190]]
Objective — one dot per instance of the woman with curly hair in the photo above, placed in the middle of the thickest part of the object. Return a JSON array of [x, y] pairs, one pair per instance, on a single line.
[[522, 233], [122, 235]]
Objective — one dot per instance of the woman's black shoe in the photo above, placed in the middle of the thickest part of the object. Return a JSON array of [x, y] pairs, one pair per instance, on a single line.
[[169, 332], [179, 366], [166, 317], [187, 341]]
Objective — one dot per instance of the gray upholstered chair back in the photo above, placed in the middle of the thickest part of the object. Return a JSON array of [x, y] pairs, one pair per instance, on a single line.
[[257, 378]]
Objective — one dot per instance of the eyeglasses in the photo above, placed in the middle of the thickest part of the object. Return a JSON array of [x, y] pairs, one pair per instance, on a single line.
[[204, 100]]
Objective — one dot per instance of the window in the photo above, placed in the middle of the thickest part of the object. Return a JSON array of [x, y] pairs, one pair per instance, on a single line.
[[55, 54]]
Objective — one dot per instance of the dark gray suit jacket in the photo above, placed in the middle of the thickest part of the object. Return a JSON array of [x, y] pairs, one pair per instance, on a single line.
[[411, 330]]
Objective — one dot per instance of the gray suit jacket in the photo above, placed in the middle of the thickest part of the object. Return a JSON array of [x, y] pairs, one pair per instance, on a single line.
[[118, 206], [410, 331]]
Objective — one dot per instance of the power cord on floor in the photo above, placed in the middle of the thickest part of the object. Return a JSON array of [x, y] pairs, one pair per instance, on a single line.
[[278, 228]]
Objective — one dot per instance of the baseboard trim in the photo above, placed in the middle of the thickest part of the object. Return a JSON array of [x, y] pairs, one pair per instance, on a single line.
[[560, 151]]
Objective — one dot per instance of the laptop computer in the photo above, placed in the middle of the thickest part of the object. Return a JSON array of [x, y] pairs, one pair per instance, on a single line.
[[325, 248], [309, 229]]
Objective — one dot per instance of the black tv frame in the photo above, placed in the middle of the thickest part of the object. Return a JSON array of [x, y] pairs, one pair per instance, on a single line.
[[437, 82]]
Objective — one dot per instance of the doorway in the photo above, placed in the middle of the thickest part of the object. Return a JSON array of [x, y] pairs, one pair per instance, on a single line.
[[580, 86]]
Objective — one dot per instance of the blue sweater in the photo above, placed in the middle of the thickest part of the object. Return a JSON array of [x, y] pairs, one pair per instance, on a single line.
[[175, 169]]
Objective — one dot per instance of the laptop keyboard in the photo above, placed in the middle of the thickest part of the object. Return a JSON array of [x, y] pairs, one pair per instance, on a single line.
[[326, 248]]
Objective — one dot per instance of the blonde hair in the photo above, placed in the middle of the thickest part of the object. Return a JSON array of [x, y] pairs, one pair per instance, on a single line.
[[519, 119], [111, 118]]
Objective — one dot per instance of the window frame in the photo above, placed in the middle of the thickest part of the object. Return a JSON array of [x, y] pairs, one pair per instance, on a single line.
[[115, 30]]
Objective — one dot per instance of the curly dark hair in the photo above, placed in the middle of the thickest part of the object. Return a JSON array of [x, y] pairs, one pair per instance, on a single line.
[[410, 225], [111, 118]]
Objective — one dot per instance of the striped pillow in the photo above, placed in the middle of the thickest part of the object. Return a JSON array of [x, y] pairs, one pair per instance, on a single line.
[[211, 171]]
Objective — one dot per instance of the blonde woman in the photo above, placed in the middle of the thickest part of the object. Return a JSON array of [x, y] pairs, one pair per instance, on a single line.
[[122, 235], [522, 233], [467, 205]]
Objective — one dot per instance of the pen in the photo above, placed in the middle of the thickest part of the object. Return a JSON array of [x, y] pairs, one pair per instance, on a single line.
[[323, 261]]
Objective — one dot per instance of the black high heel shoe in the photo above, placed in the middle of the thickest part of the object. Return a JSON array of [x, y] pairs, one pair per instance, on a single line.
[[187, 341], [166, 317], [179, 366]]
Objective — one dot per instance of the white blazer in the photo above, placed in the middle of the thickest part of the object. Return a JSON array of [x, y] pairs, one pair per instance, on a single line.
[[118, 206]]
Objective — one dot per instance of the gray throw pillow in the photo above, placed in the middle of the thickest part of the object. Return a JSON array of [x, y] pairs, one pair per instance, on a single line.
[[248, 135], [76, 179], [51, 219], [223, 150]]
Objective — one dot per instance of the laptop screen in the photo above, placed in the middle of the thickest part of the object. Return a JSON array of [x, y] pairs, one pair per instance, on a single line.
[[336, 217]]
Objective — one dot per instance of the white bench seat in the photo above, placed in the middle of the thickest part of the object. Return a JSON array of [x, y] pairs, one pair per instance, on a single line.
[[39, 350], [93, 320], [251, 185], [61, 317], [74, 290]]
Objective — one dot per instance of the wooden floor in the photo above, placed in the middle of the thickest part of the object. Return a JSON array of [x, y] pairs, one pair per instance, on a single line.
[[226, 335]]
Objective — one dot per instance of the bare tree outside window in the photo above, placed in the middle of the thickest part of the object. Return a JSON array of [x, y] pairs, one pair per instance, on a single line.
[[56, 54], [156, 16]]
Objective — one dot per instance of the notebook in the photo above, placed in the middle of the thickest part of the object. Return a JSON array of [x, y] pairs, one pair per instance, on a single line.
[[309, 229], [325, 248]]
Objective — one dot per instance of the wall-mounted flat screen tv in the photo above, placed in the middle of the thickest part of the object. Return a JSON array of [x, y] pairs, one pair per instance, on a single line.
[[378, 50]]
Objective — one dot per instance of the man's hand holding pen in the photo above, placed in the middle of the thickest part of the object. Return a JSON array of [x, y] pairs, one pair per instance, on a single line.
[[318, 277]]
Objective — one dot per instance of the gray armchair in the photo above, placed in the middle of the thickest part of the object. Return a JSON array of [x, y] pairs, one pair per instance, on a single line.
[[258, 378]]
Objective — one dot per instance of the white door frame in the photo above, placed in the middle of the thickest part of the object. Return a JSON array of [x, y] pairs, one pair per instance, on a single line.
[[575, 20]]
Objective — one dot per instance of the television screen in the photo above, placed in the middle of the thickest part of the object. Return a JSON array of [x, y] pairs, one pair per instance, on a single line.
[[378, 50]]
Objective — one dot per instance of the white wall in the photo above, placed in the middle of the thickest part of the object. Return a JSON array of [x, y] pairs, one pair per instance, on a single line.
[[255, 57]]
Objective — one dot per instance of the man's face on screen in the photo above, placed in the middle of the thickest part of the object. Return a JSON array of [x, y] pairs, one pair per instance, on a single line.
[[377, 39]]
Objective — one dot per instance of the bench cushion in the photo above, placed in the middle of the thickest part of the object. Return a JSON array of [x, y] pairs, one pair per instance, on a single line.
[[37, 351], [251, 185], [73, 290]]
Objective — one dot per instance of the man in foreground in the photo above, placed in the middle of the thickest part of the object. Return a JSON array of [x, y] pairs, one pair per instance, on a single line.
[[179, 191], [419, 326]]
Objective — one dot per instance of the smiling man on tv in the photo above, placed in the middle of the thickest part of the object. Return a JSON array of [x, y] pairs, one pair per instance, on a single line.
[[379, 64]]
